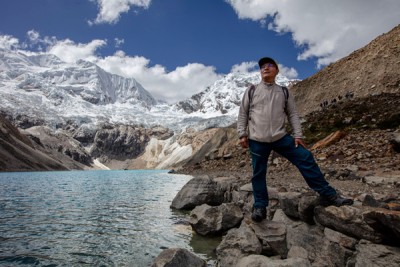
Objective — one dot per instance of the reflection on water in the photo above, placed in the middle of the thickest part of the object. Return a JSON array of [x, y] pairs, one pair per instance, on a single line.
[[91, 218], [205, 245]]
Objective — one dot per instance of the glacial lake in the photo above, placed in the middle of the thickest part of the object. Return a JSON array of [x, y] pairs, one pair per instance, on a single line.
[[93, 218]]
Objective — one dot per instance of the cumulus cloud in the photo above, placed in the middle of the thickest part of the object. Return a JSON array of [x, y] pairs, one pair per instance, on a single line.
[[118, 42], [248, 67], [244, 67], [289, 73], [9, 42], [327, 30], [170, 86], [69, 51], [33, 36], [110, 10]]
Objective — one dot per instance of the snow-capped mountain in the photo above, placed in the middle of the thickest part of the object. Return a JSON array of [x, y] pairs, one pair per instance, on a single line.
[[42, 86], [225, 95]]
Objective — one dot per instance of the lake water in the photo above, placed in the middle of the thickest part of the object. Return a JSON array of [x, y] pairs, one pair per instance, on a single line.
[[92, 218]]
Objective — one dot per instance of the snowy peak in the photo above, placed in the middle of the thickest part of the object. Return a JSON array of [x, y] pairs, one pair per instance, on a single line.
[[225, 95], [48, 75]]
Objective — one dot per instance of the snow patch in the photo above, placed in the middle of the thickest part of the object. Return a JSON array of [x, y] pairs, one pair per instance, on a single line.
[[100, 165]]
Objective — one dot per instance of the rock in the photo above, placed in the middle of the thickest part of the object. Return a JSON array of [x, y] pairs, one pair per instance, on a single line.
[[207, 220], [352, 168], [347, 220], [178, 257], [242, 164], [199, 190], [372, 202], [237, 244], [381, 180], [272, 236], [386, 222], [308, 237], [280, 216], [395, 142], [307, 204], [320, 250], [85, 134], [375, 255], [259, 260], [297, 252], [290, 203], [339, 238]]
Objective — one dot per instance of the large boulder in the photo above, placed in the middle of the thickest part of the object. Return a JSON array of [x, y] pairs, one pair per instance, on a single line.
[[375, 255], [174, 257], [299, 206], [386, 222], [272, 236], [238, 243], [348, 220], [311, 242], [202, 190], [209, 220]]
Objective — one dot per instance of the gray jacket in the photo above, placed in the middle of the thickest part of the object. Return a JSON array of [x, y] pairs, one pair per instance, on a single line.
[[266, 120]]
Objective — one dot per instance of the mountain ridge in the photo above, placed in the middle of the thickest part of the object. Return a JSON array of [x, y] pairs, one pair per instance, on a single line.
[[163, 135], [371, 69]]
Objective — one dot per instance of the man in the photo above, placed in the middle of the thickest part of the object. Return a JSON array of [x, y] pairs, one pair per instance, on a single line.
[[261, 127]]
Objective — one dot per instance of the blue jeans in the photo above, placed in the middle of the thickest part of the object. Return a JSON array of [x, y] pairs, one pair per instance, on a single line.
[[299, 156]]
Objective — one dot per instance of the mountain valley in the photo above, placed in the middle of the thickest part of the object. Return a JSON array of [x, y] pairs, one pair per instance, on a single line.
[[77, 116]]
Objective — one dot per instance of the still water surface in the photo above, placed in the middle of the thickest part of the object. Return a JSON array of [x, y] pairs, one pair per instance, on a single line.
[[90, 218]]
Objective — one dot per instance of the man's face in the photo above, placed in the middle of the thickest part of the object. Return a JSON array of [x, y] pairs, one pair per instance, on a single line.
[[268, 72]]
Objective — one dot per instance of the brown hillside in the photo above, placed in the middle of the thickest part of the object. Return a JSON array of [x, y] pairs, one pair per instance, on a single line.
[[372, 69], [18, 154]]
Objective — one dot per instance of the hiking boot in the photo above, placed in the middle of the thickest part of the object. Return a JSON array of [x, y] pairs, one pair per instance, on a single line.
[[335, 200], [259, 214]]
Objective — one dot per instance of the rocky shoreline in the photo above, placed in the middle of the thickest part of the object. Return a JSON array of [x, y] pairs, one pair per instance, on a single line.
[[298, 231]]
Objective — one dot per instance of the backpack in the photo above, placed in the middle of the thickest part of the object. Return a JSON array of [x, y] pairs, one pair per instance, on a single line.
[[251, 93]]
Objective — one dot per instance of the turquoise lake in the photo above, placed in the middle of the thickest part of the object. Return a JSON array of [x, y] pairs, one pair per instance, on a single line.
[[92, 218]]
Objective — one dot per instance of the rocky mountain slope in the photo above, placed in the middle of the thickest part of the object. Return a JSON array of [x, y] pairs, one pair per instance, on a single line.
[[18, 153], [372, 69]]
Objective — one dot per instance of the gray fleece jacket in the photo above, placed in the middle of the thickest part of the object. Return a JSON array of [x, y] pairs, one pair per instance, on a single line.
[[266, 120]]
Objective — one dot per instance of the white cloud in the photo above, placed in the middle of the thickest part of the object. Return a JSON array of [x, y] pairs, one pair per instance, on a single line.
[[289, 73], [328, 30], [245, 67], [110, 10], [118, 42], [8, 42], [33, 36], [248, 67], [70, 52], [171, 86]]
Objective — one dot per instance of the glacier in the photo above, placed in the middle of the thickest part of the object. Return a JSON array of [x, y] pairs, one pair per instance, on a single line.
[[42, 86]]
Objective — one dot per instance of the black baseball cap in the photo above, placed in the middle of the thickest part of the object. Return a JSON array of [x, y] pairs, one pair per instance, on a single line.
[[264, 60]]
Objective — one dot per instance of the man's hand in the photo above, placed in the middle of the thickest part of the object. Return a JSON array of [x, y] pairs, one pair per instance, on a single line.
[[299, 141], [244, 142]]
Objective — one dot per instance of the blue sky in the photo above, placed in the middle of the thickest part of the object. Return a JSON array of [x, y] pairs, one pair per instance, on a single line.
[[175, 48]]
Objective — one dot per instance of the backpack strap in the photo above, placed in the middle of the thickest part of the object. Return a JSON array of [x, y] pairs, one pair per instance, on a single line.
[[250, 94], [286, 93]]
